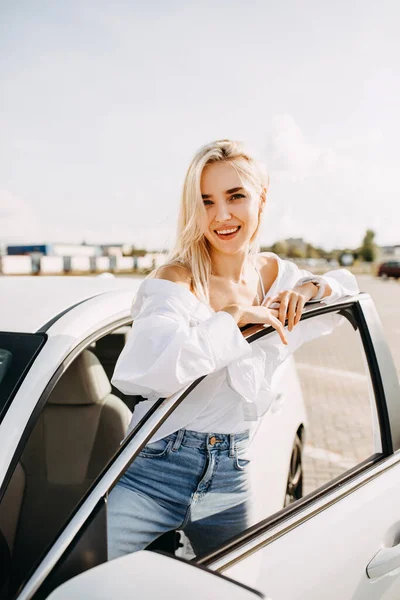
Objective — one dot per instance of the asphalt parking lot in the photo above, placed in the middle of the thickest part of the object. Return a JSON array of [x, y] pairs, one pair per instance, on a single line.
[[336, 392], [386, 295]]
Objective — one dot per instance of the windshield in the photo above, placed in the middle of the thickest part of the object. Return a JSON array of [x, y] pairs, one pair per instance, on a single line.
[[17, 353]]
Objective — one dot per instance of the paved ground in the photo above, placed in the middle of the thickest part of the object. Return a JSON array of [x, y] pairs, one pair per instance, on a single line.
[[386, 295], [336, 390]]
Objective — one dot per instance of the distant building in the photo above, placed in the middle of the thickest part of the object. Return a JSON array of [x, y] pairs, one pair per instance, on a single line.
[[75, 250], [390, 251], [52, 250], [112, 249], [297, 243], [27, 249]]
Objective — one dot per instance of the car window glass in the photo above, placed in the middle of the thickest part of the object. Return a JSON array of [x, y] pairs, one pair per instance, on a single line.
[[5, 362], [342, 425], [77, 432], [320, 422], [17, 353]]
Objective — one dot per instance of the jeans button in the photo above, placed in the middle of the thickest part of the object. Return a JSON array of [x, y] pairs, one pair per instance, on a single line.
[[213, 439]]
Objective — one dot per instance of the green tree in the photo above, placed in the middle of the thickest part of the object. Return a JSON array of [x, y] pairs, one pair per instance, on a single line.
[[312, 252], [368, 250], [280, 248], [324, 253], [294, 252]]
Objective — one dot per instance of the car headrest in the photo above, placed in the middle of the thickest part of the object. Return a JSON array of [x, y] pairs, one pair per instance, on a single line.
[[84, 382], [111, 346]]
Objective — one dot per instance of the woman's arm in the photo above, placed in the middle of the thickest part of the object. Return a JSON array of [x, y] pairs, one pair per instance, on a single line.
[[165, 350], [296, 289]]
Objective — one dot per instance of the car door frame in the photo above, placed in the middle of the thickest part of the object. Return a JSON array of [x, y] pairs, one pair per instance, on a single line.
[[88, 319], [387, 395], [386, 388]]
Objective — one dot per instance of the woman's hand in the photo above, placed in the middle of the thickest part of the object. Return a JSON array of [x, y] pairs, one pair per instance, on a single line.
[[257, 314], [292, 302]]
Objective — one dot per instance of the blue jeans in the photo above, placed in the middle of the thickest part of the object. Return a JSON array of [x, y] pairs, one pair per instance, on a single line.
[[192, 481]]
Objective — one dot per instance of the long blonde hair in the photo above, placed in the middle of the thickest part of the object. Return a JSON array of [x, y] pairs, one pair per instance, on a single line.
[[191, 248]]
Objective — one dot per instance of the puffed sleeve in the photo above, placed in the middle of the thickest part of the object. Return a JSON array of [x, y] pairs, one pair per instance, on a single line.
[[341, 281], [175, 339]]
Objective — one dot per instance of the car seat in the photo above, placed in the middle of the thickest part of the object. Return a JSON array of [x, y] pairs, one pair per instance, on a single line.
[[78, 431]]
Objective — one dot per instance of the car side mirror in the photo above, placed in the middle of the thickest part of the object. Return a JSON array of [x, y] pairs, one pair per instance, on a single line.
[[151, 576]]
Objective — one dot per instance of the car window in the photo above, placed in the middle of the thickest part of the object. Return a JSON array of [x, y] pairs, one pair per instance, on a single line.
[[75, 435], [320, 422], [341, 427], [5, 362], [17, 353]]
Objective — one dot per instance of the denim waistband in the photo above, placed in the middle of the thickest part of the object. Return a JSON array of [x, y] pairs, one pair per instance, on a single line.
[[209, 441]]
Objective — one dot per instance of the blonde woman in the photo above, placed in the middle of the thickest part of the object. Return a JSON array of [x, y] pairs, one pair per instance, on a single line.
[[187, 318]]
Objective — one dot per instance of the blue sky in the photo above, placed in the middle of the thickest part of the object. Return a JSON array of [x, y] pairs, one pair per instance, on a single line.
[[103, 104]]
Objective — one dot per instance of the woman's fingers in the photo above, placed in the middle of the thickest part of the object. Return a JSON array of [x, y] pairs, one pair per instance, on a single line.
[[270, 317], [276, 324], [291, 307], [266, 302], [293, 304], [284, 301], [299, 311], [276, 298]]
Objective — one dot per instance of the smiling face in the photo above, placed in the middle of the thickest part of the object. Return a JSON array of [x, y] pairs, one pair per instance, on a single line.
[[232, 212]]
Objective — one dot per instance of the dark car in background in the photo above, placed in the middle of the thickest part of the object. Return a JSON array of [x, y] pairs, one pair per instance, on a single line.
[[390, 268]]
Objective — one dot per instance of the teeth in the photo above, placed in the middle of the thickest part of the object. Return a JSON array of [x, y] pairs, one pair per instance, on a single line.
[[226, 231]]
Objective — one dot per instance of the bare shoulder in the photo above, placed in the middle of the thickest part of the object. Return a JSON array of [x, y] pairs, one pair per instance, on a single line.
[[268, 263], [176, 274]]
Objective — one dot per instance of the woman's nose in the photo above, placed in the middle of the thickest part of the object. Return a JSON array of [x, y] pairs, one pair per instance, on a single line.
[[223, 213]]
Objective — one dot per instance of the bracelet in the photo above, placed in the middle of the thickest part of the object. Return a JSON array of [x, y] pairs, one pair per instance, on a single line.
[[318, 282]]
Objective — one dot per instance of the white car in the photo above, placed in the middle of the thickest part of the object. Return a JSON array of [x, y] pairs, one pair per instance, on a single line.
[[60, 430]]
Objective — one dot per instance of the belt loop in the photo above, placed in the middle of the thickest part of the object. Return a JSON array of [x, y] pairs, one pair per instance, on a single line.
[[231, 445], [178, 440]]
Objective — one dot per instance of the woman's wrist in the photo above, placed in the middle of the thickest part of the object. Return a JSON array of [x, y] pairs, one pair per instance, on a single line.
[[321, 285], [234, 310], [309, 290]]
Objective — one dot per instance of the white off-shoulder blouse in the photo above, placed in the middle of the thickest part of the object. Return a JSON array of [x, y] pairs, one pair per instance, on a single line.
[[176, 338]]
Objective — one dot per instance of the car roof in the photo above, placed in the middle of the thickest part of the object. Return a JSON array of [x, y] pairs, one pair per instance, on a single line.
[[28, 303]]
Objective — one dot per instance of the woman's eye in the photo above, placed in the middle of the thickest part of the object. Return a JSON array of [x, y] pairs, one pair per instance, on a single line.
[[237, 196], [207, 202]]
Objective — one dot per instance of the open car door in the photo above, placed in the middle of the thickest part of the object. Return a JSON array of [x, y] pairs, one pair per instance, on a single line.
[[338, 537], [342, 539]]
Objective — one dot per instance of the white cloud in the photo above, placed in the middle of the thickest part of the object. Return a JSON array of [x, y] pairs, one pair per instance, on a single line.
[[99, 151], [291, 155], [20, 225], [18, 222], [156, 237]]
